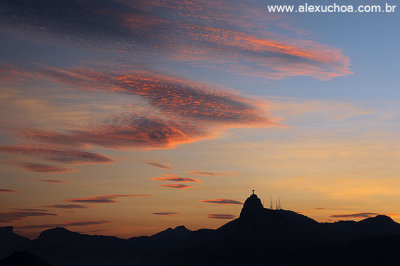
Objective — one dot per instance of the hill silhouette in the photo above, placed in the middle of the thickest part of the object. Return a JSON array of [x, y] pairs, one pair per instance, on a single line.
[[260, 236]]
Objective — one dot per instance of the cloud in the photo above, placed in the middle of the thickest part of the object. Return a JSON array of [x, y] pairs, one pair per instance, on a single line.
[[29, 210], [222, 201], [66, 224], [105, 198], [123, 132], [42, 168], [239, 39], [62, 156], [10, 216], [176, 179], [208, 173], [53, 181], [221, 216], [158, 165], [67, 206], [355, 215], [4, 190], [165, 213], [182, 111], [177, 186], [171, 96]]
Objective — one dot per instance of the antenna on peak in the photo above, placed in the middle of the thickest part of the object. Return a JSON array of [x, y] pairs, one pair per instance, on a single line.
[[270, 203]]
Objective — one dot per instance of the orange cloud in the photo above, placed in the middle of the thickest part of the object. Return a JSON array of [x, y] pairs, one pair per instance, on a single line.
[[237, 38], [265, 57], [123, 132], [183, 112]]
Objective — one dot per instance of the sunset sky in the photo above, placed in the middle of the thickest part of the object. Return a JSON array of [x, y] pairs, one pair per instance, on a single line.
[[126, 117]]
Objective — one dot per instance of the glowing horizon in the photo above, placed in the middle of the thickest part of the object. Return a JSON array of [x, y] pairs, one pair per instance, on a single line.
[[128, 117]]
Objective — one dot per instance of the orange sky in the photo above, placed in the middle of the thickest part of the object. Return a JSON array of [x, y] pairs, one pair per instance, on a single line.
[[130, 118]]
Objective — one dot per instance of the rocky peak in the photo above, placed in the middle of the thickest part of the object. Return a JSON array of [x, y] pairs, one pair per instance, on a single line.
[[252, 206]]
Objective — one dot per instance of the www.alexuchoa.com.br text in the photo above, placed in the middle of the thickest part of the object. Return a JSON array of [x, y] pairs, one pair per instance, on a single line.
[[332, 8]]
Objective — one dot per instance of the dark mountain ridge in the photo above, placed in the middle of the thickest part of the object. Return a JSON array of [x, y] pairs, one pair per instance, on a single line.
[[260, 236]]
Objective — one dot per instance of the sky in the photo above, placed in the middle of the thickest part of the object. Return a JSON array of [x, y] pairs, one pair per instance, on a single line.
[[128, 117]]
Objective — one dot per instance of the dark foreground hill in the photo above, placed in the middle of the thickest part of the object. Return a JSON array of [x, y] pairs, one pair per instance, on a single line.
[[259, 236]]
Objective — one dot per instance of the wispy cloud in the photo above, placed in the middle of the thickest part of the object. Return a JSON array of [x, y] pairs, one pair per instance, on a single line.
[[53, 181], [174, 178], [4, 190], [355, 215], [184, 111], [158, 165], [21, 214], [67, 206], [61, 156], [165, 213], [105, 198], [222, 201], [221, 216], [177, 186], [42, 168], [212, 173], [66, 224], [239, 39]]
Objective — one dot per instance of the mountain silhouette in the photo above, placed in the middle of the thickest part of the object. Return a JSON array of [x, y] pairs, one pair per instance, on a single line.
[[23, 258], [260, 236], [10, 241]]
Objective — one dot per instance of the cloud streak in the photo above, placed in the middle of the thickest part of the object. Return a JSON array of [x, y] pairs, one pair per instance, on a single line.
[[22, 214], [182, 112], [214, 173], [240, 39], [4, 190], [61, 156], [173, 178], [355, 215], [42, 168], [66, 224], [221, 216], [158, 165], [165, 213], [66, 206], [105, 198], [177, 186], [53, 181], [222, 201]]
